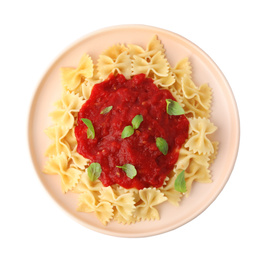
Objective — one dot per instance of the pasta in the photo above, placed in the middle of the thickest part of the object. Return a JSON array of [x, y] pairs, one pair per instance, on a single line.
[[198, 141], [59, 164], [72, 78], [150, 197], [158, 65], [66, 107], [122, 64], [128, 206]]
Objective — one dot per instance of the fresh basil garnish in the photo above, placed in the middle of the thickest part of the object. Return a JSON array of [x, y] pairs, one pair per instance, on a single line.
[[94, 171], [173, 108], [180, 183], [106, 110], [137, 120], [90, 130], [127, 131], [162, 145], [129, 169]]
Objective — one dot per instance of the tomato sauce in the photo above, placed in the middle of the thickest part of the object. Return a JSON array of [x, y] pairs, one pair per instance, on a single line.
[[137, 96]]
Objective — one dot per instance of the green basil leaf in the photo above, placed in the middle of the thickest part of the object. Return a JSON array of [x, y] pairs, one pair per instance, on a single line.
[[90, 130], [162, 145], [180, 184], [106, 110], [137, 120], [94, 171], [127, 131], [129, 169], [173, 108]]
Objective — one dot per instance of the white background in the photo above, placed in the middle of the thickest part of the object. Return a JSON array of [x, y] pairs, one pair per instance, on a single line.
[[233, 33]]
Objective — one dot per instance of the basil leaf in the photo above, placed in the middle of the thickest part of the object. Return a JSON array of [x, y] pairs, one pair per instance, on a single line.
[[127, 131], [129, 169], [94, 171], [137, 120], [180, 184], [90, 130], [173, 108], [162, 145], [106, 110]]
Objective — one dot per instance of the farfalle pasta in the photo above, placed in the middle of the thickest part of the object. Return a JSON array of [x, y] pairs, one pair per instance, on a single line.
[[157, 65], [60, 165], [122, 65], [72, 78], [169, 192], [129, 205], [150, 198], [57, 134], [123, 203], [201, 95], [199, 142], [102, 209], [66, 108], [182, 69], [153, 47]]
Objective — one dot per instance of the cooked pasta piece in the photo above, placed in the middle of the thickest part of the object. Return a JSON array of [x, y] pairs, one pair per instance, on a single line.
[[69, 174], [107, 65], [121, 220], [164, 82], [153, 47], [198, 142], [123, 203], [186, 156], [176, 94], [66, 109], [198, 173], [57, 134], [213, 156], [135, 50], [114, 51], [182, 68], [158, 65], [194, 109], [103, 210], [150, 197], [86, 184], [169, 191], [78, 160], [85, 87], [71, 78], [201, 95]]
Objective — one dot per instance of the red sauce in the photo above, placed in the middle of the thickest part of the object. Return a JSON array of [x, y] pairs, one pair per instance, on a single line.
[[137, 96]]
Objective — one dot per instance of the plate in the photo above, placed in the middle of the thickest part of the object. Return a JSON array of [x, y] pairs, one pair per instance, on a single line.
[[224, 116]]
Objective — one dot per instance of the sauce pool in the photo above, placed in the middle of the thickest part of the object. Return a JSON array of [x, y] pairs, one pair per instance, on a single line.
[[128, 98]]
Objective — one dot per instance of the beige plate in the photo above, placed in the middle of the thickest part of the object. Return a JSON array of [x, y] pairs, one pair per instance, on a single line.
[[224, 116]]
